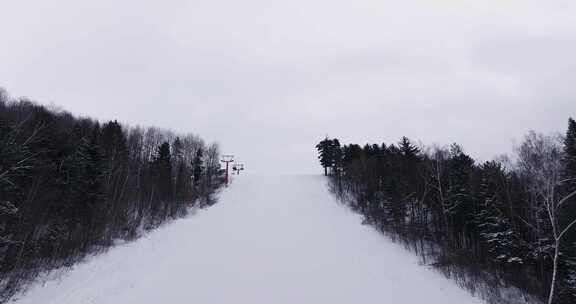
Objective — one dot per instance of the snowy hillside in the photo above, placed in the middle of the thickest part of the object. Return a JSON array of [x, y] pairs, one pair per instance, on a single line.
[[268, 240]]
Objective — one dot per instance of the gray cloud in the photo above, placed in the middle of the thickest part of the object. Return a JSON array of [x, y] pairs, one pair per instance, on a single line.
[[268, 79]]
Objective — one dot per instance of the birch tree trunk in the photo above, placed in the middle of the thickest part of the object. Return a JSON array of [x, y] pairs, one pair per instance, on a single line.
[[554, 272]]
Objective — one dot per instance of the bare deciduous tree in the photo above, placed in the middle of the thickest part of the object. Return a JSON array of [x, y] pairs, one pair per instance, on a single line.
[[540, 159]]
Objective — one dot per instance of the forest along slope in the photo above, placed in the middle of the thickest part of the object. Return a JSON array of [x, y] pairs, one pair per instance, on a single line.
[[268, 240]]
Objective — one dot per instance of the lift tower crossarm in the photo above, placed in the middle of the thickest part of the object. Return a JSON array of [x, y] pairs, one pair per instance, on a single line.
[[227, 159]]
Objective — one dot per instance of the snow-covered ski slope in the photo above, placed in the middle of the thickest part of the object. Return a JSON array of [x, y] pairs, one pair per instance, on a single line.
[[269, 240]]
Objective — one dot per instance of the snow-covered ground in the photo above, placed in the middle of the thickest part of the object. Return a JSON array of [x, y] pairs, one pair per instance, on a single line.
[[268, 240]]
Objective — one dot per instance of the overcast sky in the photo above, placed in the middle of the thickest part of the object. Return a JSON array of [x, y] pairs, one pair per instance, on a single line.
[[268, 79]]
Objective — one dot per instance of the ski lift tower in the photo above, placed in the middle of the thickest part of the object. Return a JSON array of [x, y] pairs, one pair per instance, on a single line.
[[227, 159]]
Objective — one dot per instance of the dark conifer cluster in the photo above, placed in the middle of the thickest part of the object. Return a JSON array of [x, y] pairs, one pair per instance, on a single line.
[[490, 225], [71, 186]]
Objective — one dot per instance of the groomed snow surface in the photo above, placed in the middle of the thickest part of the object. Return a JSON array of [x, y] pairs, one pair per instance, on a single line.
[[268, 240]]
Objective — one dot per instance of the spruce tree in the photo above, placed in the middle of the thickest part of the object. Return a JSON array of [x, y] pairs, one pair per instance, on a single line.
[[493, 225], [114, 143], [162, 173], [177, 147], [325, 154], [459, 197], [336, 155], [8, 188], [180, 174], [163, 164], [569, 209], [182, 183], [16, 164], [93, 173], [115, 150], [570, 150], [198, 166], [407, 149]]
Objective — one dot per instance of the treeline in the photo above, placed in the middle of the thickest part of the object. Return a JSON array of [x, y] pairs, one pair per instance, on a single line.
[[71, 186], [491, 225]]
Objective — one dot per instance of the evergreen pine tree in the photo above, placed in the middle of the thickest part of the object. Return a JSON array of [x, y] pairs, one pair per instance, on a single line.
[[569, 209], [16, 163], [336, 156], [177, 149], [93, 175], [460, 206], [115, 150], [325, 154], [494, 227], [180, 175], [163, 164], [407, 149], [8, 189], [570, 150], [198, 166], [162, 171], [114, 143], [182, 183]]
